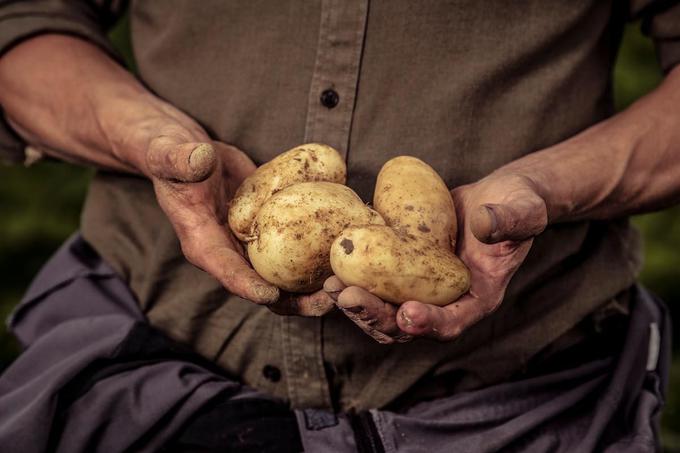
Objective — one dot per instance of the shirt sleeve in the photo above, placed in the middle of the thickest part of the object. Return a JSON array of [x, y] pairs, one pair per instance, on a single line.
[[21, 20], [661, 22]]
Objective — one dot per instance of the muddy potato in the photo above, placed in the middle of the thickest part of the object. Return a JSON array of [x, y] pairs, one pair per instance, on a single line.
[[294, 229], [310, 162], [413, 199], [398, 267]]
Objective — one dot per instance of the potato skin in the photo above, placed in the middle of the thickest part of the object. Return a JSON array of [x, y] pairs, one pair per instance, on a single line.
[[304, 163], [294, 229], [398, 267], [413, 199]]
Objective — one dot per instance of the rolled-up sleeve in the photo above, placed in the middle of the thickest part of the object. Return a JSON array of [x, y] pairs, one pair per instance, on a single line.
[[20, 20], [661, 22]]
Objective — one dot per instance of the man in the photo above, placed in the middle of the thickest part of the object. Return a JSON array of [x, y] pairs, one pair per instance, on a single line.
[[511, 105]]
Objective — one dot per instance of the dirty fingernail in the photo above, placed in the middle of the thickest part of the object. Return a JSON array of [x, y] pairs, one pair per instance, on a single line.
[[407, 320], [265, 293], [202, 160]]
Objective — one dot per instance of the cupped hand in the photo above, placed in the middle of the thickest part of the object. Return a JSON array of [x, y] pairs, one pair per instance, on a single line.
[[498, 218], [194, 180]]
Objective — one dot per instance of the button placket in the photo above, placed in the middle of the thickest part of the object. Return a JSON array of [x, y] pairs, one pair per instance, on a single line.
[[330, 109], [336, 73], [305, 374]]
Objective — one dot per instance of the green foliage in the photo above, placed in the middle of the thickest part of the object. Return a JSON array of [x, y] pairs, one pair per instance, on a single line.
[[39, 208], [637, 71]]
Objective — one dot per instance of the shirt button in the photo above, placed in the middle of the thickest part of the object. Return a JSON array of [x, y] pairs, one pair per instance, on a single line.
[[271, 373], [329, 98]]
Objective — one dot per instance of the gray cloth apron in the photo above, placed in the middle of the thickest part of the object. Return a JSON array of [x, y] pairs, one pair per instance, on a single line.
[[78, 314]]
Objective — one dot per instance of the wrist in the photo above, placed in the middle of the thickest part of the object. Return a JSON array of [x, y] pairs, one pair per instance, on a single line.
[[580, 177], [131, 118]]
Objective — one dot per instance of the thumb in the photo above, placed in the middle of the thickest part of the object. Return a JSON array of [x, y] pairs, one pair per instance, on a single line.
[[169, 159], [517, 219]]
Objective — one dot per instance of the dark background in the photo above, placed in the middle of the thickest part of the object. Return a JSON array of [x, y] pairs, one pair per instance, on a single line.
[[40, 206]]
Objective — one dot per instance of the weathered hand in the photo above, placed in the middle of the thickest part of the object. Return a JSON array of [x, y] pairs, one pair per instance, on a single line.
[[194, 179], [497, 220]]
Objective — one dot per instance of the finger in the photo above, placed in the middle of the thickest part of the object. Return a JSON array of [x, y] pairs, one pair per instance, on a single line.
[[236, 275], [168, 158], [310, 305], [374, 316], [333, 286], [443, 323], [214, 252], [513, 221], [484, 297], [240, 164]]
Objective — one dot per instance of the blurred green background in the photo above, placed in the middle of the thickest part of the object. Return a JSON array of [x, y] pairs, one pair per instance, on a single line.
[[39, 208]]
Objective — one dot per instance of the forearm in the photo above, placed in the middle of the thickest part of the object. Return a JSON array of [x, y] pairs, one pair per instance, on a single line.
[[68, 98], [627, 164]]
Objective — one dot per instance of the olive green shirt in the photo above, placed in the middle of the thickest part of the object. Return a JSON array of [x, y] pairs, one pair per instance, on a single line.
[[465, 85]]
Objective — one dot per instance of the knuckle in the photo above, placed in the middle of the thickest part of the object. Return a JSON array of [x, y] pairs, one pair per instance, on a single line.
[[158, 148], [382, 338], [190, 252], [403, 338], [488, 309], [455, 333], [451, 334], [492, 306], [229, 277], [370, 321], [356, 319]]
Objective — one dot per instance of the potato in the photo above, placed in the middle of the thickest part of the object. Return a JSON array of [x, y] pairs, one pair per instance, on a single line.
[[310, 162], [398, 267], [294, 229], [413, 199]]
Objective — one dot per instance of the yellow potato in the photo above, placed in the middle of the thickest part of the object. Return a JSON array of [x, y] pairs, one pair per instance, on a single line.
[[413, 199], [398, 267], [294, 229], [304, 163]]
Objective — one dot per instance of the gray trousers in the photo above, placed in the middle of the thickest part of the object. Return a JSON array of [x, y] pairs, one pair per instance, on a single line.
[[78, 315]]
